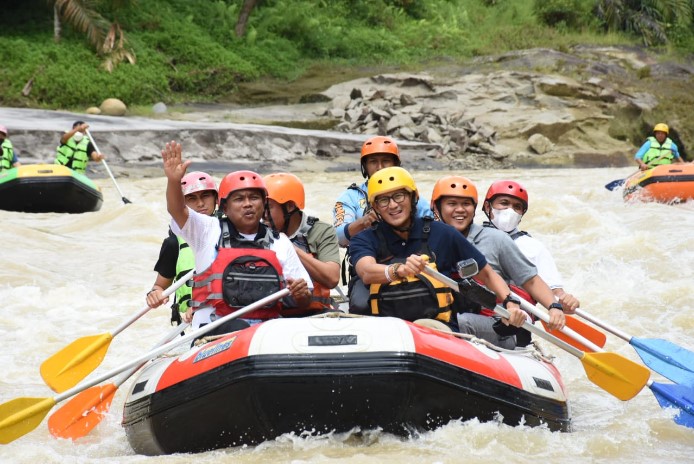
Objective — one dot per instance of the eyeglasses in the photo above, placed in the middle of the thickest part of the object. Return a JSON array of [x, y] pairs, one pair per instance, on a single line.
[[398, 198]]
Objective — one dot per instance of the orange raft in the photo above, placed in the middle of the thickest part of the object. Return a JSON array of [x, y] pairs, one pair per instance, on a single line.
[[669, 183]]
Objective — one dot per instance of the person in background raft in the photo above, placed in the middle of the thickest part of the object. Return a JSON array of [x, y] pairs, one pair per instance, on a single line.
[[76, 149], [454, 201], [175, 257], [315, 241], [657, 149], [389, 257], [238, 259], [505, 204], [8, 157]]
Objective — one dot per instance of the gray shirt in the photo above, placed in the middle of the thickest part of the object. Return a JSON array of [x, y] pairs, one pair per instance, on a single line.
[[502, 254]]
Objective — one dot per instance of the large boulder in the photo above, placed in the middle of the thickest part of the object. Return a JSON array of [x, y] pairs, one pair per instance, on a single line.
[[113, 107]]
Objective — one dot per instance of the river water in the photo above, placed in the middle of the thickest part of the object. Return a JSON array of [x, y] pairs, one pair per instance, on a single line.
[[68, 276]]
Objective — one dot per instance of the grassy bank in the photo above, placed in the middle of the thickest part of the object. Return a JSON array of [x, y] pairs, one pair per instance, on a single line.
[[187, 50]]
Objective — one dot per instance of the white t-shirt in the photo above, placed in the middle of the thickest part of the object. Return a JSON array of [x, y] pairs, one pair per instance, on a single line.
[[202, 233], [539, 255]]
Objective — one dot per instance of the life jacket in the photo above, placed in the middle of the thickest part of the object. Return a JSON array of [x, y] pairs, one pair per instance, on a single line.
[[320, 299], [659, 154], [6, 155], [243, 272], [417, 297], [184, 263], [74, 155]]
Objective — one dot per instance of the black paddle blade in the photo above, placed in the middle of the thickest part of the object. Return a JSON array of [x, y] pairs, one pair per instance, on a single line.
[[615, 184], [125, 200]]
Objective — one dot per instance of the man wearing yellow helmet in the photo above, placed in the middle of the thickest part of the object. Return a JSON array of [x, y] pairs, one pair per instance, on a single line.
[[389, 258], [658, 149]]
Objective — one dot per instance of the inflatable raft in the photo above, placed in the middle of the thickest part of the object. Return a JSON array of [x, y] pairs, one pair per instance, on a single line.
[[48, 188], [670, 183], [322, 374]]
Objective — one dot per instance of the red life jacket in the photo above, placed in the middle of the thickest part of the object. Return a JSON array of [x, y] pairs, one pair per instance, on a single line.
[[320, 299], [243, 272]]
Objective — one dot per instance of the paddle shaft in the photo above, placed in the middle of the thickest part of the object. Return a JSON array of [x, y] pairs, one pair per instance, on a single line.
[[501, 311], [166, 347], [532, 309], [91, 139], [603, 325], [145, 309]]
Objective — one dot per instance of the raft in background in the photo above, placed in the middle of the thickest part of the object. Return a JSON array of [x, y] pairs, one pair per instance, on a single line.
[[668, 183], [48, 188], [334, 374]]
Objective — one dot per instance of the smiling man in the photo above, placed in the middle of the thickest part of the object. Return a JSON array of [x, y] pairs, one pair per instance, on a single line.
[[256, 260], [389, 258]]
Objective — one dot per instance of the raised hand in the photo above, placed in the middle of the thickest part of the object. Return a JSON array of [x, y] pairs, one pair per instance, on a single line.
[[174, 166]]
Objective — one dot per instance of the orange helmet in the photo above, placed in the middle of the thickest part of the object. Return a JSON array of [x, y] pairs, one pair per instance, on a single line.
[[283, 187], [379, 145], [239, 180], [507, 187], [454, 186]]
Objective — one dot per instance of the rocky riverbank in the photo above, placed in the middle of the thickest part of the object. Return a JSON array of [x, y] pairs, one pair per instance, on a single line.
[[532, 108]]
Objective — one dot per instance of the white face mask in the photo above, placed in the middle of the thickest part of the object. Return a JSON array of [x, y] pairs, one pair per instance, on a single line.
[[77, 137], [505, 219]]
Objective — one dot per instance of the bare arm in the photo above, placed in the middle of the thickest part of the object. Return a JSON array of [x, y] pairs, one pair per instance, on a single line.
[[496, 284], [539, 290], [175, 169], [325, 273], [154, 296]]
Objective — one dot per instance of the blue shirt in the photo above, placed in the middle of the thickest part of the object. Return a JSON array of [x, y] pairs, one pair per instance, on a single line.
[[447, 244], [351, 205]]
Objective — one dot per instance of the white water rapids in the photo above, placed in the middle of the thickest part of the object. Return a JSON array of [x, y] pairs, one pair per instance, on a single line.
[[63, 277]]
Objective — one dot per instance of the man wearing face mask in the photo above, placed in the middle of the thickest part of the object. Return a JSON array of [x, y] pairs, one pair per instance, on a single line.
[[505, 204], [76, 149], [454, 201]]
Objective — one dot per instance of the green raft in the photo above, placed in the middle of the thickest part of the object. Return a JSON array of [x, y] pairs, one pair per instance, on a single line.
[[48, 188]]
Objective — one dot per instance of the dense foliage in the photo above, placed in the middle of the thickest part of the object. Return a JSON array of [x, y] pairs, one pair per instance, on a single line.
[[188, 50]]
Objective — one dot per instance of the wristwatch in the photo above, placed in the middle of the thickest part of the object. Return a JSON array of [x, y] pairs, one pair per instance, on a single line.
[[556, 305], [510, 299]]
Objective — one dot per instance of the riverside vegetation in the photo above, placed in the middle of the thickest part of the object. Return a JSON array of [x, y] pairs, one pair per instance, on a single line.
[[189, 51]]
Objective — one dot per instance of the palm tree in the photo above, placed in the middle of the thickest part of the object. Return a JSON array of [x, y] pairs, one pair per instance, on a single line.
[[106, 37], [648, 18]]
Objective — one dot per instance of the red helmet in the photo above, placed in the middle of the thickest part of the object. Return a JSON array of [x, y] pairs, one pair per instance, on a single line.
[[454, 186], [283, 187], [379, 145], [197, 181], [239, 180], [510, 188]]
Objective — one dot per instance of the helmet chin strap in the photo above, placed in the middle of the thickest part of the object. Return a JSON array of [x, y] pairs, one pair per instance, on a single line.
[[287, 216]]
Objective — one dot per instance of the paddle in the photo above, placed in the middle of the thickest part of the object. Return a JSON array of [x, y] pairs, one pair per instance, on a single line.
[[74, 362], [613, 373], [666, 358], [680, 397], [122, 197], [22, 415], [85, 411], [572, 324], [619, 182]]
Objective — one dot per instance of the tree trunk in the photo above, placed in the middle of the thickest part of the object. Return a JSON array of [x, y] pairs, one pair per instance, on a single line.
[[56, 24], [246, 10]]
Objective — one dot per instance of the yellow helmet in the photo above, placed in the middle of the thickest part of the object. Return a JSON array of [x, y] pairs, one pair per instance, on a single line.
[[662, 128], [389, 180]]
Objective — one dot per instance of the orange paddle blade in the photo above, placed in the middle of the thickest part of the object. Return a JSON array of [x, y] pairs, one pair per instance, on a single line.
[[82, 413], [587, 331]]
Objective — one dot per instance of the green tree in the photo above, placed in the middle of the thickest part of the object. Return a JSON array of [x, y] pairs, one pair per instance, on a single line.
[[649, 19], [106, 36]]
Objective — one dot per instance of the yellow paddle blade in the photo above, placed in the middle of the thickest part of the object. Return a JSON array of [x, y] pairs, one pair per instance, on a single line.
[[22, 415], [615, 374], [68, 366], [82, 413]]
